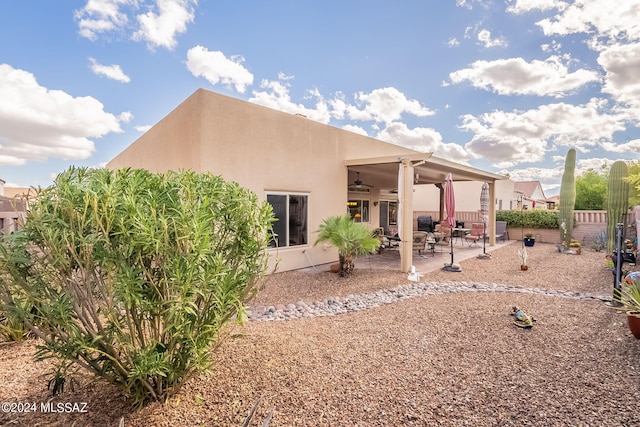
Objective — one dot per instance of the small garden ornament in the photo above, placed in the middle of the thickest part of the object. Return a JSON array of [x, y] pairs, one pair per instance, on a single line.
[[522, 319], [522, 253]]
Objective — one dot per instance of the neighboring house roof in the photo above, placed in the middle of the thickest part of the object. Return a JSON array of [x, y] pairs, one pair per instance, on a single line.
[[9, 204], [530, 189]]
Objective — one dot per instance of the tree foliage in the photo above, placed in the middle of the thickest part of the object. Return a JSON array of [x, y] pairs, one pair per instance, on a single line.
[[132, 275], [349, 237], [634, 181], [591, 191]]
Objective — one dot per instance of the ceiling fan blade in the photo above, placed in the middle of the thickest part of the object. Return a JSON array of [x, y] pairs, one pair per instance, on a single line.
[[358, 183]]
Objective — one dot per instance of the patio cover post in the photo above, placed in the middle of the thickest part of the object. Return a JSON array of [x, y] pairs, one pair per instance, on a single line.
[[441, 205], [492, 212], [406, 229]]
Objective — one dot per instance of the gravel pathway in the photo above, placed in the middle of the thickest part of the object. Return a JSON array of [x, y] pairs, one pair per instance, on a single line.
[[337, 305]]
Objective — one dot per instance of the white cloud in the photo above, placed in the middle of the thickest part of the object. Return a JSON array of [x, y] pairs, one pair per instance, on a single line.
[[611, 19], [524, 6], [506, 150], [484, 39], [275, 94], [627, 147], [113, 72], [510, 138], [385, 105], [469, 4], [550, 77], [159, 26], [37, 123], [160, 29], [426, 140], [102, 16], [615, 34], [355, 129], [542, 174], [622, 79], [143, 128], [216, 68], [554, 46], [593, 163], [453, 42], [125, 117]]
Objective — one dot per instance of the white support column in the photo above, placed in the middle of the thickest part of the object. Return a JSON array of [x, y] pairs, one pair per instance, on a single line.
[[406, 229], [492, 213]]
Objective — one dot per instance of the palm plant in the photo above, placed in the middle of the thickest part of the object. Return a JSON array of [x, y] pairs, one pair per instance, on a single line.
[[350, 238]]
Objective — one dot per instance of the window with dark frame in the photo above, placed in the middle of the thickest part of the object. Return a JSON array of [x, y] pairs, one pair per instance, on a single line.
[[291, 213], [358, 209], [393, 213]]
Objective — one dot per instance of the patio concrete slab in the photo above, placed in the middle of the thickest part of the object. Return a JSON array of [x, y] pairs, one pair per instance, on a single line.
[[390, 259]]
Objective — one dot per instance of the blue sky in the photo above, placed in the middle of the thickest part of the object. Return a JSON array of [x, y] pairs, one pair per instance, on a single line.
[[504, 85]]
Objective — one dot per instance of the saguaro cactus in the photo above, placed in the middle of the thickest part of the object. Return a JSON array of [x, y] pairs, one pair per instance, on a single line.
[[567, 197], [617, 201]]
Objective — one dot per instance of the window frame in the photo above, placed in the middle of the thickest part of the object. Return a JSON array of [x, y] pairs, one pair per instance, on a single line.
[[287, 239], [365, 212]]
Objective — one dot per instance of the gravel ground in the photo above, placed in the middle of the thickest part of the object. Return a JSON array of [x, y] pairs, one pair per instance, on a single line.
[[451, 359]]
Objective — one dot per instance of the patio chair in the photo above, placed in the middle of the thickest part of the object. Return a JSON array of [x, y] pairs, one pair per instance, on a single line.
[[420, 241], [477, 233], [443, 232], [501, 231]]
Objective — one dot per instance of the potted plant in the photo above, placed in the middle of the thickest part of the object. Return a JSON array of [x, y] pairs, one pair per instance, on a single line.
[[629, 297], [522, 253], [529, 240]]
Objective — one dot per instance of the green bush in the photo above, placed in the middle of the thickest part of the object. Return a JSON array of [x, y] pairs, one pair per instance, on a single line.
[[529, 218], [132, 275], [12, 328]]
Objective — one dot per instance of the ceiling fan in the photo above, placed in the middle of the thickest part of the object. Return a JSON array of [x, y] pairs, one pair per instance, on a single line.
[[358, 184]]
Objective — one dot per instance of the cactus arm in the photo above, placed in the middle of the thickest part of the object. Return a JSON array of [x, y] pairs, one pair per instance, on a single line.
[[617, 200], [567, 197]]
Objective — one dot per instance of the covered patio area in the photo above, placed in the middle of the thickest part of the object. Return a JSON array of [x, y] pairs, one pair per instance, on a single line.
[[426, 262], [397, 176]]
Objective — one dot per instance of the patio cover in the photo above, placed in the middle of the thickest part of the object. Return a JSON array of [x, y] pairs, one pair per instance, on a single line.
[[418, 169]]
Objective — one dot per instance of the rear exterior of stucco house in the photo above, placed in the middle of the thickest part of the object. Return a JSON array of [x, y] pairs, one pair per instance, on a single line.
[[297, 164]]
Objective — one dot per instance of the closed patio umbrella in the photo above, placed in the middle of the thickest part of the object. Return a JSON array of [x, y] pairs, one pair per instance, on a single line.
[[484, 213], [450, 207]]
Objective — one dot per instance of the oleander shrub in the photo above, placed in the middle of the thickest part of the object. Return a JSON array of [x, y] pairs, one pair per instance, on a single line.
[[12, 328], [12, 325], [134, 275]]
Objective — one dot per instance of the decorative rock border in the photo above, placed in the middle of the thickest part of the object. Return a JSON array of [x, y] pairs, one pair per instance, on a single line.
[[336, 305]]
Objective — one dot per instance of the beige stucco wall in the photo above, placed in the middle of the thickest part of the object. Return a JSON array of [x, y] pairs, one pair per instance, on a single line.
[[263, 150]]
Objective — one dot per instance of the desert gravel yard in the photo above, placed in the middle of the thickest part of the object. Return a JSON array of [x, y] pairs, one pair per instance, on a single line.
[[450, 359]]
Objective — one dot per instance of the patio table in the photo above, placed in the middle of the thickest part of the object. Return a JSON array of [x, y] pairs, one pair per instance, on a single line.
[[459, 233]]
